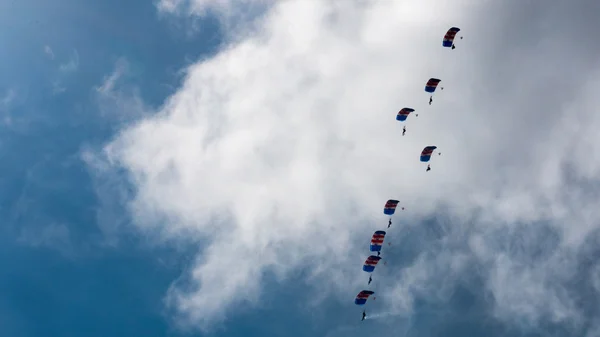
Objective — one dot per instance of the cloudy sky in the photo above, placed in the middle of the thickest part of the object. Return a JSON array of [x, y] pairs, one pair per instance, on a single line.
[[217, 167]]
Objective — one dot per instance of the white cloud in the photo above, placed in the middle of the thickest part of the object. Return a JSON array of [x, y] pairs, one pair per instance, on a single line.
[[281, 150], [235, 16], [202, 7]]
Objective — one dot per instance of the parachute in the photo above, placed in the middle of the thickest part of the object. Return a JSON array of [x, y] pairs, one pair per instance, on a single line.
[[370, 263], [448, 40], [390, 207], [403, 114], [432, 84], [377, 241], [426, 153], [361, 298]]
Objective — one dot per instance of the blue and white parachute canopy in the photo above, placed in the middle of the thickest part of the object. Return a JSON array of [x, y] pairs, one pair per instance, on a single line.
[[390, 207], [377, 241], [448, 40], [403, 114], [426, 153], [370, 263], [362, 297], [432, 84]]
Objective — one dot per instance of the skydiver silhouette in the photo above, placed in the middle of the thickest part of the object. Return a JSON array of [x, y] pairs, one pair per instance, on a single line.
[[403, 130], [428, 168], [430, 99], [364, 315], [453, 46], [389, 223], [370, 279], [378, 253]]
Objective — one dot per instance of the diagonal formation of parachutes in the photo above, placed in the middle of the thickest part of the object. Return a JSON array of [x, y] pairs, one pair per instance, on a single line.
[[390, 206]]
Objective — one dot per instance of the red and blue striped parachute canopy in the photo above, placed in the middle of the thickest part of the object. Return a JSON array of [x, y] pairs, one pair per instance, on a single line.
[[403, 114], [370, 263], [426, 153], [449, 37], [432, 84], [377, 241], [362, 297], [390, 207]]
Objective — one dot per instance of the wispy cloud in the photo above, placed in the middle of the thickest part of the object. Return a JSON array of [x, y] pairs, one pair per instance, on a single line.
[[278, 154], [58, 88], [8, 98], [5, 105], [72, 64], [52, 236], [117, 99], [108, 84], [232, 14], [202, 7], [48, 51]]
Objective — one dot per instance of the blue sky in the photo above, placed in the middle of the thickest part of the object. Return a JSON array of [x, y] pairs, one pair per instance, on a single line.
[[216, 168]]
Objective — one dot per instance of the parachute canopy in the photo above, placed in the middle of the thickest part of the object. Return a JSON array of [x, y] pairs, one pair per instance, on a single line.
[[449, 37], [370, 263], [362, 297], [390, 207], [432, 84], [403, 114], [426, 153], [377, 241]]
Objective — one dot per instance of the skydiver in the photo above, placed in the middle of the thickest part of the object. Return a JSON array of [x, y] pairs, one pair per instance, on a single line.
[[430, 99], [370, 279], [428, 168], [364, 315], [378, 253], [389, 223], [403, 130], [453, 46]]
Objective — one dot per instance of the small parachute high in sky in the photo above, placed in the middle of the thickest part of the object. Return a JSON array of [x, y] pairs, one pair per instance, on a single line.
[[432, 84], [390, 207], [403, 114], [430, 87], [448, 40], [427, 152], [361, 298], [377, 241], [370, 263]]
